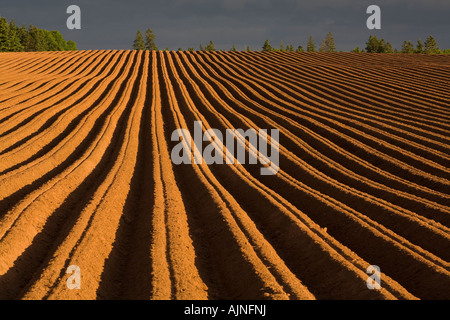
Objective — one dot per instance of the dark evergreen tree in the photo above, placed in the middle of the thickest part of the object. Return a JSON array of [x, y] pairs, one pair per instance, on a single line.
[[14, 44], [407, 47], [139, 43], [419, 47], [431, 46], [71, 46], [311, 46], [330, 45], [323, 46], [210, 47], [372, 45], [4, 34], [150, 41], [267, 46]]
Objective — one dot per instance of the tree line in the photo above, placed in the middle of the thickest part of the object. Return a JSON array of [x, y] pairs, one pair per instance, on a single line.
[[430, 46], [328, 44], [16, 39]]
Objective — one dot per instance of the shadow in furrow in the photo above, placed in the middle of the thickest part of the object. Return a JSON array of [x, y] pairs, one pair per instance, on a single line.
[[127, 271], [36, 257]]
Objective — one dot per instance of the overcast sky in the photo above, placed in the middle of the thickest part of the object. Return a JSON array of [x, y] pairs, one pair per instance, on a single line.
[[112, 24]]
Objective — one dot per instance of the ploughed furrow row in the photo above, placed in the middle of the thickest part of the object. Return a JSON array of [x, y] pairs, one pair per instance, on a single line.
[[276, 206], [94, 231], [417, 84], [40, 83], [24, 210], [329, 146], [394, 139], [19, 80], [438, 212], [38, 115], [57, 126], [405, 103], [397, 241], [27, 74], [327, 98], [391, 157], [41, 93], [105, 169]]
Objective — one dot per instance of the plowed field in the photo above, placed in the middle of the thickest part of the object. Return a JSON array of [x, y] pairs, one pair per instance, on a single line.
[[86, 176]]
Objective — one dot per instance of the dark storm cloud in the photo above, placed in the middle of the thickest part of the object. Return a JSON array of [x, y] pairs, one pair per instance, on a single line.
[[112, 24]]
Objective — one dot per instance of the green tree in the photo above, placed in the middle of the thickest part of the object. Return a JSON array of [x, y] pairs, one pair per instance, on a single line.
[[431, 46], [22, 33], [36, 39], [372, 44], [15, 39], [267, 46], [234, 48], [419, 46], [323, 46], [4, 34], [300, 49], [311, 46], [210, 47], [407, 47], [388, 48], [248, 49], [14, 43], [375, 45], [191, 49], [71, 46], [330, 45], [139, 43], [282, 46], [150, 41]]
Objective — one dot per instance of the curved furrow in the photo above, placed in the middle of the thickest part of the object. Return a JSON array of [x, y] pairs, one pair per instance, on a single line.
[[434, 210], [245, 228], [245, 177], [399, 243], [30, 90], [36, 115], [30, 63], [18, 181], [358, 177], [53, 130], [49, 60], [22, 222], [317, 128], [61, 221], [334, 103], [407, 219], [38, 84], [430, 152], [93, 233], [395, 78], [13, 77], [351, 132], [42, 86], [365, 83]]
